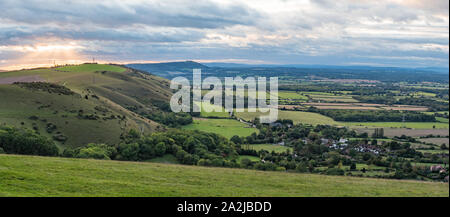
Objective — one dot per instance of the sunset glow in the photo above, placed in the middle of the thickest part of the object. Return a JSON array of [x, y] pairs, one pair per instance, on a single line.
[[44, 55]]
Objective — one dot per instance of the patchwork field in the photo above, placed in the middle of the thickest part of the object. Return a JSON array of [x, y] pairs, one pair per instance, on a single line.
[[412, 125], [41, 176], [295, 116], [365, 106], [436, 141], [391, 132], [225, 127], [291, 95]]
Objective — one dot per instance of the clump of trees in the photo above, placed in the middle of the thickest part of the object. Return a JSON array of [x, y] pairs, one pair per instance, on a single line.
[[27, 142], [189, 147]]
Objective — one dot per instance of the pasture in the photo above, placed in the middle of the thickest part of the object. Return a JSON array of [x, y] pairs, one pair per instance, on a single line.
[[225, 127], [63, 177], [296, 116]]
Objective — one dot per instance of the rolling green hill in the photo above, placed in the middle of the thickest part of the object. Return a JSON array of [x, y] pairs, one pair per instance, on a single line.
[[107, 100], [45, 176]]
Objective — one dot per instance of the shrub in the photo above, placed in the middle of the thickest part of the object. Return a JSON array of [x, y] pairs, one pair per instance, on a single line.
[[335, 172], [19, 141]]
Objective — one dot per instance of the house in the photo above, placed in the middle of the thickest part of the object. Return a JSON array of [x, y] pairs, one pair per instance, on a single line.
[[324, 141], [436, 168], [368, 148], [343, 140], [281, 143]]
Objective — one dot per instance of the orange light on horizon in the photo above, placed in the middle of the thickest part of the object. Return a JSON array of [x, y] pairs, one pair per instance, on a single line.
[[43, 55]]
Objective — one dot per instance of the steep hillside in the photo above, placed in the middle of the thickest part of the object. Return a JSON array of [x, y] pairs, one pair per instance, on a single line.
[[47, 176], [107, 100]]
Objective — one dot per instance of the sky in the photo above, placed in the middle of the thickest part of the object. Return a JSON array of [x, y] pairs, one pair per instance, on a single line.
[[401, 33]]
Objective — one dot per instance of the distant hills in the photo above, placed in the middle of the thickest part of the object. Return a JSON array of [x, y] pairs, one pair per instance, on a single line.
[[170, 70], [240, 65], [167, 67]]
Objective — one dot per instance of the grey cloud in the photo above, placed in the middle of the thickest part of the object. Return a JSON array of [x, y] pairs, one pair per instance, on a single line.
[[13, 36], [196, 14]]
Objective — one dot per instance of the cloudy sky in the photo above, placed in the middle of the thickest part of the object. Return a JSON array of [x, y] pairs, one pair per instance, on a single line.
[[413, 33]]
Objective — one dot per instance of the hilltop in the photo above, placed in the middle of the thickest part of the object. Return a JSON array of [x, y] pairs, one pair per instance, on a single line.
[[47, 176], [102, 102]]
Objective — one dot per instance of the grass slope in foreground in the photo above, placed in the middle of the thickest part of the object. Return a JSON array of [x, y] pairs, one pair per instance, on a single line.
[[43, 176]]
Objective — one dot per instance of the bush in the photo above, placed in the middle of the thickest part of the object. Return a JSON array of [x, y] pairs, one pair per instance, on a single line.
[[18, 141], [96, 151], [128, 152], [302, 168], [335, 172]]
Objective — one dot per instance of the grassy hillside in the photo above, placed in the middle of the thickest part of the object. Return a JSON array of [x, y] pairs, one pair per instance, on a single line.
[[110, 97], [41, 176]]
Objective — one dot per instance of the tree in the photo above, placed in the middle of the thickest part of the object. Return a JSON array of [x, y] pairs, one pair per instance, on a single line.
[[96, 151], [236, 140], [302, 167], [128, 152], [160, 149], [19, 141], [246, 163], [335, 172], [353, 166]]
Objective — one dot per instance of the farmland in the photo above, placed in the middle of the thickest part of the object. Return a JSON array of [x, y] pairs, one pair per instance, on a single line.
[[224, 127], [295, 116], [43, 176], [413, 125], [308, 141]]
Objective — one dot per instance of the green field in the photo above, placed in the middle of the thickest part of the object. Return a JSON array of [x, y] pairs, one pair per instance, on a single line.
[[251, 158], [219, 114], [270, 148], [443, 120], [41, 176], [224, 127], [295, 116], [291, 95], [91, 68]]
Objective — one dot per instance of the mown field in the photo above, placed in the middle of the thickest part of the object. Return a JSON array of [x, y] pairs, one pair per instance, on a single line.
[[295, 116], [225, 127], [42, 176]]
